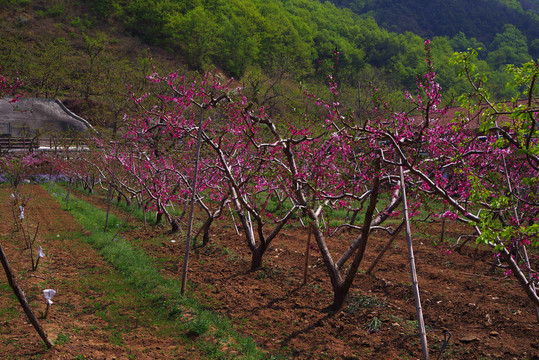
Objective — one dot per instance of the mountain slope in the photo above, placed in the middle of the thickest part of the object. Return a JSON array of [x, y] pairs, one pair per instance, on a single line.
[[481, 19]]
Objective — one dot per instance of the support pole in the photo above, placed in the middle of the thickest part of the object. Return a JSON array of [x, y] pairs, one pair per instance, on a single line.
[[420, 321], [386, 247], [233, 220], [192, 209], [22, 299], [109, 194], [306, 270]]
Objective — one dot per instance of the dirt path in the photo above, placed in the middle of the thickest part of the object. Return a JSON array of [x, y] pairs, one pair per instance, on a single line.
[[94, 315]]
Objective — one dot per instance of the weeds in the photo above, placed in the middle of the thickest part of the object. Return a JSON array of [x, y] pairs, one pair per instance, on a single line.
[[164, 294], [356, 303], [62, 339], [375, 325], [200, 324], [268, 274]]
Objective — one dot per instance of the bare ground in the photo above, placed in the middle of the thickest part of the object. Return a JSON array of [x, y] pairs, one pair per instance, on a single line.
[[487, 314]]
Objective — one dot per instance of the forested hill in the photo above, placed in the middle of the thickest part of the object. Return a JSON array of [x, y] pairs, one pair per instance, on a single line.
[[481, 19], [87, 51], [310, 39], [301, 36]]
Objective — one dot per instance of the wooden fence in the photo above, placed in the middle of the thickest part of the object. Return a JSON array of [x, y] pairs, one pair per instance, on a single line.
[[23, 143]]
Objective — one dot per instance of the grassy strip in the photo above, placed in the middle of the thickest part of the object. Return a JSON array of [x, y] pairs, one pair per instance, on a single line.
[[214, 334]]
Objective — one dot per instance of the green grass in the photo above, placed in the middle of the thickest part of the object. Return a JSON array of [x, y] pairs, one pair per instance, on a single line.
[[139, 272], [358, 302], [134, 207], [9, 313], [62, 339], [375, 325]]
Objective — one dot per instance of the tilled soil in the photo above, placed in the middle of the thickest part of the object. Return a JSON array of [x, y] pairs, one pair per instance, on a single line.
[[485, 314], [79, 320]]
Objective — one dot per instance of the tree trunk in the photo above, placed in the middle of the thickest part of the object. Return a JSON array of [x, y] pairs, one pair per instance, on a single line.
[[174, 226], [256, 258], [340, 295], [353, 219], [92, 185], [206, 236]]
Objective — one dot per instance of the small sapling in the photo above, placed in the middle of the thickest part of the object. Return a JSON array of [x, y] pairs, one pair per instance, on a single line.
[[48, 294]]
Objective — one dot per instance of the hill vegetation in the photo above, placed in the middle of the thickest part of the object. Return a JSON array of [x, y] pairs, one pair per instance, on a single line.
[[482, 19], [86, 52]]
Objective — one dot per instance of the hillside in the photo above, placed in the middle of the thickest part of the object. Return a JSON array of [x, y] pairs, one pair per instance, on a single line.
[[93, 54], [64, 50], [482, 19]]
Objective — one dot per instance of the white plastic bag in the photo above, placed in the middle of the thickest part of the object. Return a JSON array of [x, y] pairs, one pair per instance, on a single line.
[[49, 294]]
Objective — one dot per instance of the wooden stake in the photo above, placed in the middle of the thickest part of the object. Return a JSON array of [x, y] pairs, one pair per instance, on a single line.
[[442, 233], [233, 220], [108, 207], [306, 270], [22, 299], [386, 247], [420, 321], [192, 209]]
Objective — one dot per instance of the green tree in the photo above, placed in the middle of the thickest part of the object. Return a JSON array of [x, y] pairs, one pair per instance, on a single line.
[[508, 47], [460, 42], [94, 47], [195, 34], [48, 70], [148, 18], [408, 64], [237, 45], [534, 49], [281, 46]]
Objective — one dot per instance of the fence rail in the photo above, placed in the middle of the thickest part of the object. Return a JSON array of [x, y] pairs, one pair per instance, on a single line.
[[24, 143]]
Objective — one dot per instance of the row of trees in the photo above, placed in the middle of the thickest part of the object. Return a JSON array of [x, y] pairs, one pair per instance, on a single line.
[[273, 171], [196, 141]]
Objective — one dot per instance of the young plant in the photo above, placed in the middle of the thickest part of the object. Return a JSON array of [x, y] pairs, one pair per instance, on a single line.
[[40, 254], [48, 294], [18, 204]]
